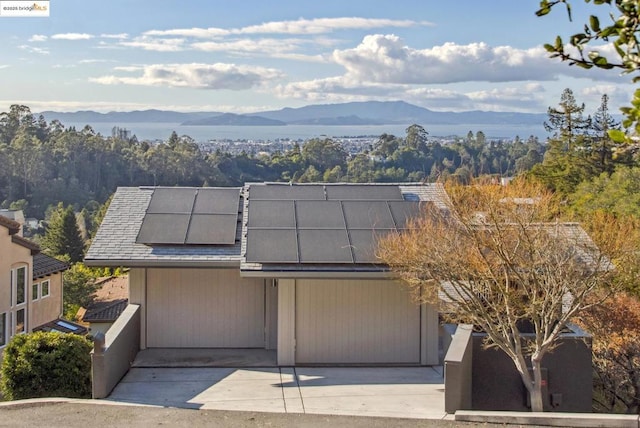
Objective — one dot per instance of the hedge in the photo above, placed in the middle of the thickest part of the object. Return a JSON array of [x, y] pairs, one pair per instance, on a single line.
[[46, 364]]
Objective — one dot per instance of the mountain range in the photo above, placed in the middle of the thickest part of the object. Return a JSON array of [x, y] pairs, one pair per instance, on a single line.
[[353, 113]]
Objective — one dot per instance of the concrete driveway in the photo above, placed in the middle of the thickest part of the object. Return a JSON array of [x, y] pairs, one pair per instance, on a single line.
[[408, 392]]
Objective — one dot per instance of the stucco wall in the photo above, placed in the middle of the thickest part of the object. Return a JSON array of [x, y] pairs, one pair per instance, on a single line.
[[46, 309]]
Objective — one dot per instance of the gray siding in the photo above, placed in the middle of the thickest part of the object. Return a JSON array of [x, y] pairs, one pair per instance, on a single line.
[[355, 322], [204, 308]]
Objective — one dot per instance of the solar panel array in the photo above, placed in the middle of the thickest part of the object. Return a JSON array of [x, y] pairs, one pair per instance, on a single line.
[[332, 224], [189, 216]]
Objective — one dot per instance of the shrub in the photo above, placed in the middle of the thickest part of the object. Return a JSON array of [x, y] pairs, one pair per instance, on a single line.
[[46, 364]]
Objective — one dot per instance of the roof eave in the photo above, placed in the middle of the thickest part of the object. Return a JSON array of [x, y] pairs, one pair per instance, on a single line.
[[162, 263], [317, 274]]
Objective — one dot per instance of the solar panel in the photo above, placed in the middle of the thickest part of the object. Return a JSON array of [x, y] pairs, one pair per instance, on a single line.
[[272, 246], [285, 191], [403, 212], [367, 215], [212, 229], [364, 242], [324, 246], [174, 200], [271, 214], [164, 229], [217, 201], [319, 214], [354, 192]]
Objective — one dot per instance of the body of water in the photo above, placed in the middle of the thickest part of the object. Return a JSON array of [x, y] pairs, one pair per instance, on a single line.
[[162, 131]]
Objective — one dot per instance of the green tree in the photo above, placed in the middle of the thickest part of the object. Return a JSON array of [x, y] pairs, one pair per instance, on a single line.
[[416, 137], [602, 148], [46, 364], [621, 32], [618, 193], [62, 236], [565, 162], [79, 287], [324, 154]]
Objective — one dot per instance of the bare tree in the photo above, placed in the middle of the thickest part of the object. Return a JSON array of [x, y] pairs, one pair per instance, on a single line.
[[498, 258]]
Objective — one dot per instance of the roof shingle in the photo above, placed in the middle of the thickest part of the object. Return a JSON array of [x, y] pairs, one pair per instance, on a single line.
[[44, 265]]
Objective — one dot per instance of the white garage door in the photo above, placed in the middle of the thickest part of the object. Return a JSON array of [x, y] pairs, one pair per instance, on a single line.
[[355, 322], [204, 308]]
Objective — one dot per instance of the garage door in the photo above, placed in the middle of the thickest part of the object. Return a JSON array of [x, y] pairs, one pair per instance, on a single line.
[[204, 308], [355, 322]]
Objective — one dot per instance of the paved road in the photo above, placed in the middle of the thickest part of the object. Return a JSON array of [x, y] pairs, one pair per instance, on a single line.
[[86, 414]]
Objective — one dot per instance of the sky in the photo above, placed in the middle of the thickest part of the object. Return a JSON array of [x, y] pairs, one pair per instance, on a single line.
[[248, 56]]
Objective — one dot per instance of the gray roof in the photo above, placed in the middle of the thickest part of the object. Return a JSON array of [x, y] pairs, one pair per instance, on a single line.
[[433, 192], [105, 311], [115, 243], [44, 265]]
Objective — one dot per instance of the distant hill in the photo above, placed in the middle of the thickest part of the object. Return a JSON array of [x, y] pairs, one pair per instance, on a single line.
[[355, 113], [399, 112], [230, 119], [137, 116]]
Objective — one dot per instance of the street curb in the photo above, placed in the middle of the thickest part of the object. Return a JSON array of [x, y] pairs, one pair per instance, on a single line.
[[579, 420], [50, 401], [36, 402]]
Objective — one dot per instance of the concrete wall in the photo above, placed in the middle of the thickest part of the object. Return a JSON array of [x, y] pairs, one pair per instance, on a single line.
[[114, 352], [458, 369], [138, 296], [498, 386]]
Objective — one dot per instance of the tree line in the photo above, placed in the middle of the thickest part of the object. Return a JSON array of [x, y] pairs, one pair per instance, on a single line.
[[44, 163]]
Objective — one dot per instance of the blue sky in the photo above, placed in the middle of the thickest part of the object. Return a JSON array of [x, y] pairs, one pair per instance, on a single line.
[[247, 56]]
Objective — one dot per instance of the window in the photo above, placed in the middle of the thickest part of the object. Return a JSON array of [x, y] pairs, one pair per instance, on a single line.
[[21, 285], [44, 288], [17, 317], [3, 329], [34, 291], [21, 327]]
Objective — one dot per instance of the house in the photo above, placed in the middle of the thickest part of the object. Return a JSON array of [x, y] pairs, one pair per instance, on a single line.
[[30, 284], [110, 300], [283, 267]]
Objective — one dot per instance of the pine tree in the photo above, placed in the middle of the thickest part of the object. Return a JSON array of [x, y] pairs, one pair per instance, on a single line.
[[63, 237], [566, 162], [567, 121], [603, 146]]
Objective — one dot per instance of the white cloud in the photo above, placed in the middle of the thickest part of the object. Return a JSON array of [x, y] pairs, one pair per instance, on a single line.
[[618, 95], [325, 25], [202, 33], [158, 45], [280, 48], [93, 61], [120, 36], [2, 66], [33, 49], [72, 36], [38, 38], [128, 68], [385, 59], [300, 26], [202, 76]]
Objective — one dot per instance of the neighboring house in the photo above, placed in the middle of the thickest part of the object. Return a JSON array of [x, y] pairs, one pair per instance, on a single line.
[[274, 266], [30, 284], [111, 298]]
